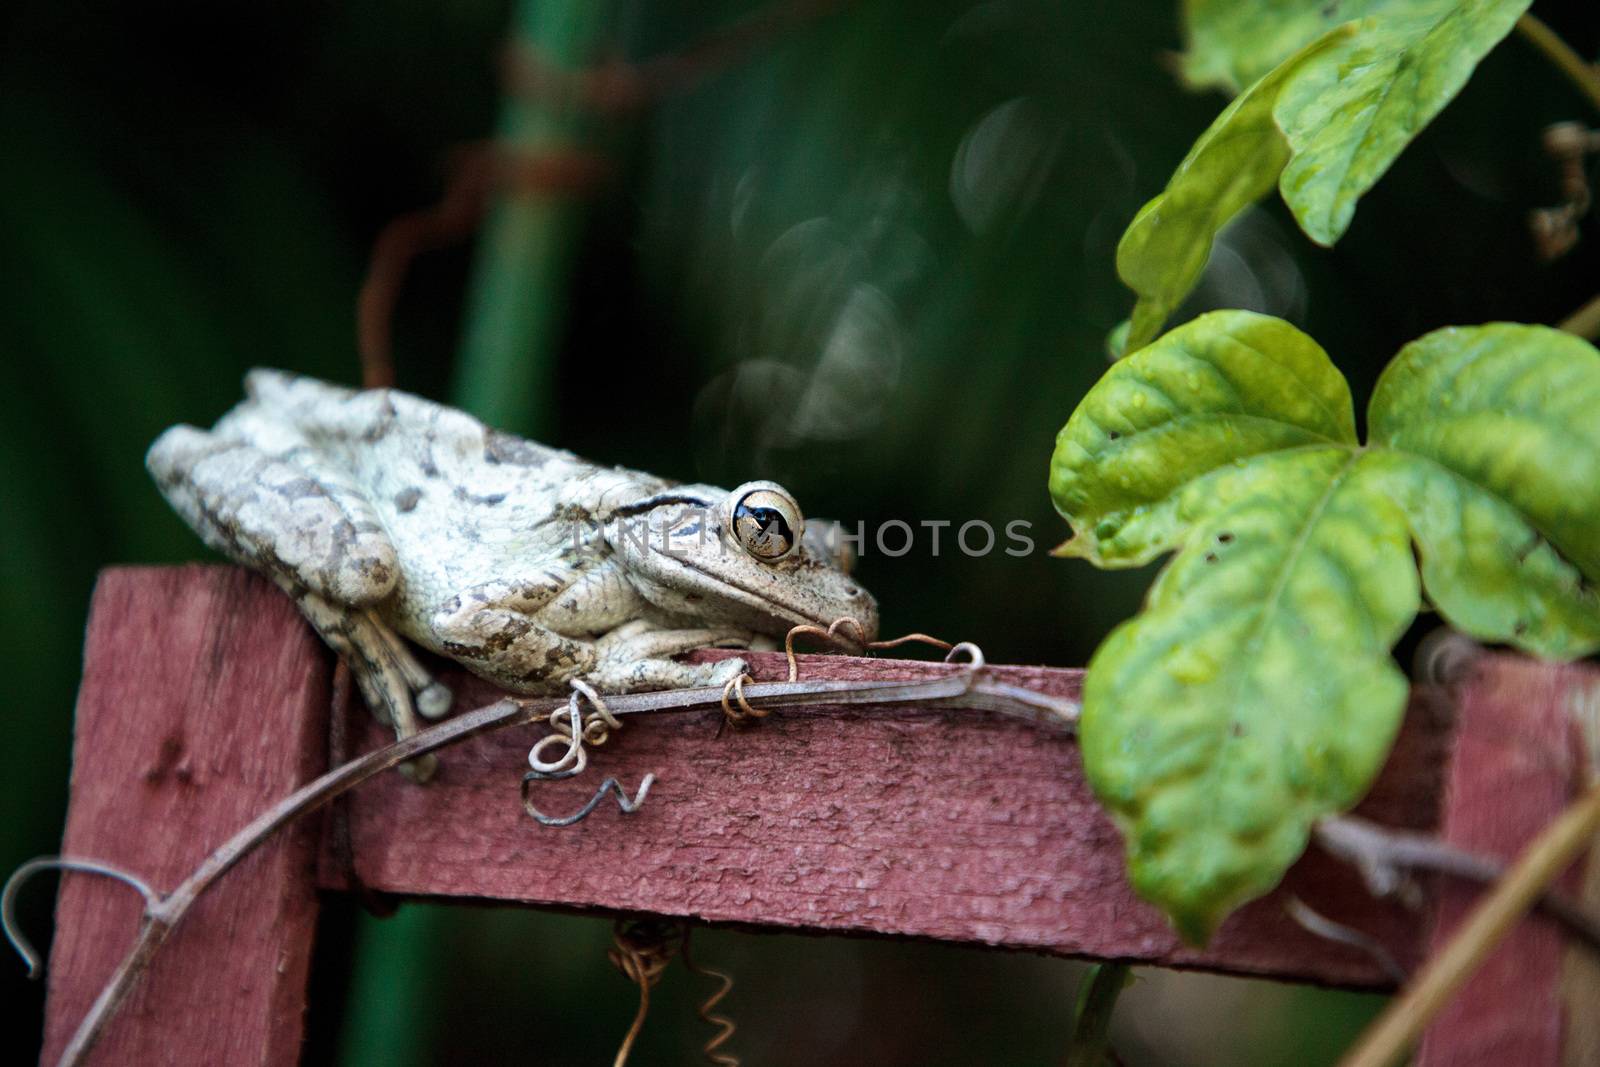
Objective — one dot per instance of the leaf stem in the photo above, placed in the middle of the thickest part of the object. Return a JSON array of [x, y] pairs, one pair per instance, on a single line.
[[1097, 1000], [1585, 76], [1408, 1014]]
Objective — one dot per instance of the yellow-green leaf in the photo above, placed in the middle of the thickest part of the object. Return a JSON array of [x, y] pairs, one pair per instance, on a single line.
[[1235, 162], [1231, 385], [1500, 425], [1337, 103], [1349, 116], [1234, 42], [1256, 692]]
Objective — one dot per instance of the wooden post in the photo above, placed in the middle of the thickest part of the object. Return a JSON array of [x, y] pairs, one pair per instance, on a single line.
[[1516, 762], [205, 698]]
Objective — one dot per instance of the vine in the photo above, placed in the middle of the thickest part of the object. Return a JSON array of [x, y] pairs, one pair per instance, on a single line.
[[1256, 694]]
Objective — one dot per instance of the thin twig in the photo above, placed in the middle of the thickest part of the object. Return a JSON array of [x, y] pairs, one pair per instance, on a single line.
[[621, 87], [1382, 855], [1408, 1014], [1322, 926], [163, 916], [477, 171], [24, 873], [1583, 74], [641, 950], [966, 689], [723, 1025], [1585, 322]]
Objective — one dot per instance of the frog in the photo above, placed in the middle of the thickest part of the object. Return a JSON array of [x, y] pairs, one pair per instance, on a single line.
[[393, 521]]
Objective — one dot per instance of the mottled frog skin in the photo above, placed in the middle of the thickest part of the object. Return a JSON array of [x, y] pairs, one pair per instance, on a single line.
[[385, 515]]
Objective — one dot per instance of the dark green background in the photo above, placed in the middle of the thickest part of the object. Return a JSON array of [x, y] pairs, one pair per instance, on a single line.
[[187, 190]]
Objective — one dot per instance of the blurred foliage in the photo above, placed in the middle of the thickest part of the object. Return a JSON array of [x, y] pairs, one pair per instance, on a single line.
[[874, 261]]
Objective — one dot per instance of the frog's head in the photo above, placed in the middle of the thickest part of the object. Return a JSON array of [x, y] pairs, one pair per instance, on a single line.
[[743, 558]]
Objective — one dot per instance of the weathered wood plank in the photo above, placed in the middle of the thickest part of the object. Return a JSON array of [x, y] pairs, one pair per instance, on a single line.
[[966, 828], [203, 700], [1516, 761], [1580, 978]]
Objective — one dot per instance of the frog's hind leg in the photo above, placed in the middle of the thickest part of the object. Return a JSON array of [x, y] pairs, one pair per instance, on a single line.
[[389, 677], [263, 500], [431, 697], [257, 493]]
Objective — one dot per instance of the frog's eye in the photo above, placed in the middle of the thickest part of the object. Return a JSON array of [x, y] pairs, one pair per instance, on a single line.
[[766, 521]]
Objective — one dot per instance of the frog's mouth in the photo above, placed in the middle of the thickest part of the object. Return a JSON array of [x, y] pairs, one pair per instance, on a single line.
[[766, 611]]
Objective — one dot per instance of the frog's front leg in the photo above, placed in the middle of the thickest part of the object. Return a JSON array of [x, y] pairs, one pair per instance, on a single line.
[[511, 633], [492, 630], [635, 657]]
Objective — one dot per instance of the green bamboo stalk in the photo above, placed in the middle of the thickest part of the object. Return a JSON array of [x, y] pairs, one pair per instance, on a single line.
[[505, 370], [505, 375]]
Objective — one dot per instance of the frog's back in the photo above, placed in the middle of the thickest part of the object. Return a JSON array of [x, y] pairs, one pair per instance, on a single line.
[[385, 429], [384, 435], [454, 494]]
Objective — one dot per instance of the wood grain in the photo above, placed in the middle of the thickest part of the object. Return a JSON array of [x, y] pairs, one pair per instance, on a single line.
[[1580, 978], [203, 700], [960, 827], [1516, 762]]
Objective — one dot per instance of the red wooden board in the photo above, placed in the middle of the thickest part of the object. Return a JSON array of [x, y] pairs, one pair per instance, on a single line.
[[204, 699], [1515, 764], [958, 826]]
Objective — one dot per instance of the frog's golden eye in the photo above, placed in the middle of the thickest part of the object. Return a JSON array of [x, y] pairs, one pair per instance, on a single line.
[[766, 521]]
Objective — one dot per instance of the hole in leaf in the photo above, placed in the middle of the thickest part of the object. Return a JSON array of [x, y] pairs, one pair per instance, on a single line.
[[1225, 537]]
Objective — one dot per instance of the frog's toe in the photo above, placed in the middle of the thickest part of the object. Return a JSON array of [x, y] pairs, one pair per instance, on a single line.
[[421, 769], [434, 700], [724, 671]]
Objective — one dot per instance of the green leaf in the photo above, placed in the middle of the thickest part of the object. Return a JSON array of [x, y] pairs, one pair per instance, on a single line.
[[1234, 163], [1256, 691], [1349, 117], [1192, 404], [1234, 42], [1098, 990], [1335, 107], [1117, 341], [1499, 425]]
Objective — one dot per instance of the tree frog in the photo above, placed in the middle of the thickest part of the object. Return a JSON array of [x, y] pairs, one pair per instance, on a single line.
[[386, 516]]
